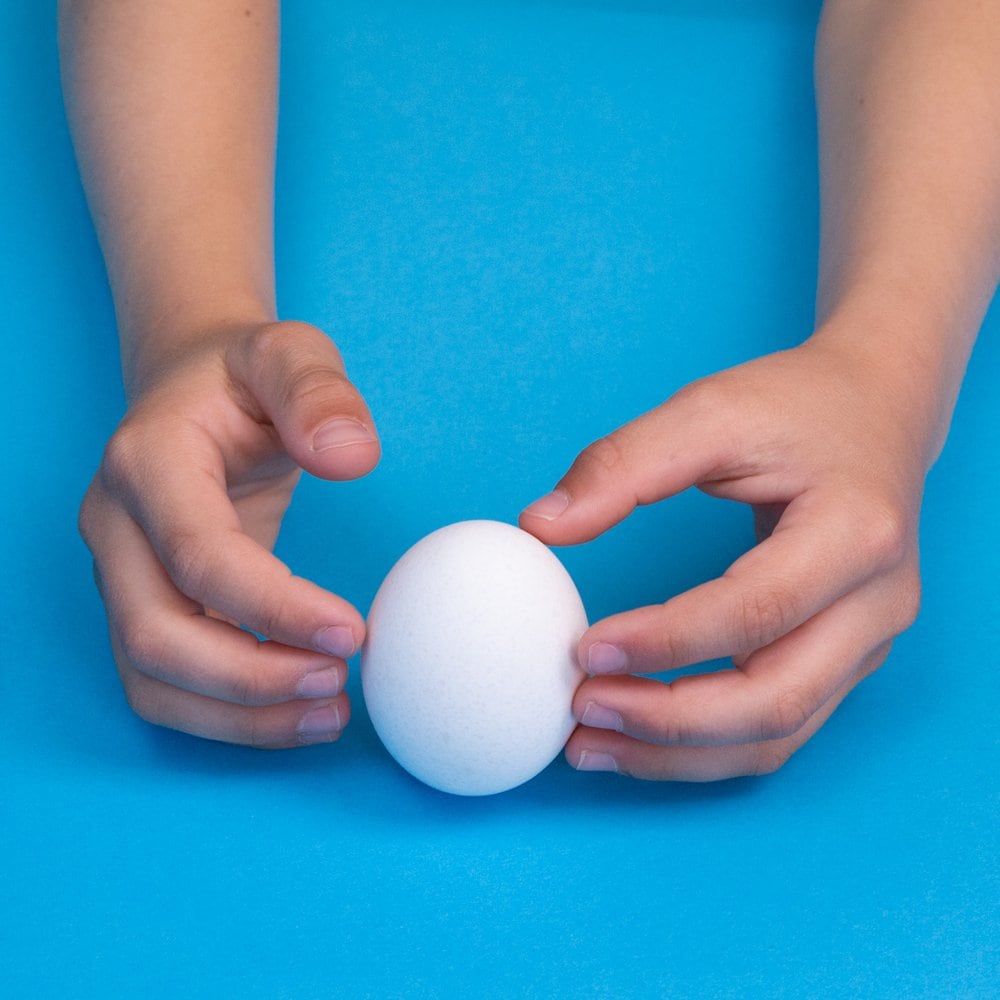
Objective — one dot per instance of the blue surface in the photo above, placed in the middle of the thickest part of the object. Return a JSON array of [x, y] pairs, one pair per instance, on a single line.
[[524, 223]]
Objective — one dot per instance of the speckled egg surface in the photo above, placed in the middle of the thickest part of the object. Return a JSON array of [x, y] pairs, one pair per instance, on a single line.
[[469, 667]]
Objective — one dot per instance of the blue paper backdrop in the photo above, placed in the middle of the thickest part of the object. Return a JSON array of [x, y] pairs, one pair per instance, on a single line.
[[524, 223]]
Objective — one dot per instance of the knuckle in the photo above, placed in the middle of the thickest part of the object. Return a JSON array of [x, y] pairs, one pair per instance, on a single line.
[[884, 534], [768, 759], [908, 601], [243, 688], [260, 734], [308, 359], [273, 343], [677, 732], [139, 697], [673, 649], [265, 347], [871, 662], [705, 398], [249, 687], [764, 614], [272, 615], [311, 382], [143, 645], [673, 728], [604, 457], [786, 713], [87, 519], [255, 733], [189, 558], [698, 395], [123, 454]]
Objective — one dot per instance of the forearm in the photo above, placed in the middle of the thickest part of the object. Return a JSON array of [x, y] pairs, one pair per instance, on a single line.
[[909, 116], [172, 104]]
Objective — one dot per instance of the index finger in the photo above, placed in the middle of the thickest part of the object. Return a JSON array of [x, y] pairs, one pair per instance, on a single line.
[[191, 523]]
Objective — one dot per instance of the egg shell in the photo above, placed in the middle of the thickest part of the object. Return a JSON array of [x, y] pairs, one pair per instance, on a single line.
[[469, 667]]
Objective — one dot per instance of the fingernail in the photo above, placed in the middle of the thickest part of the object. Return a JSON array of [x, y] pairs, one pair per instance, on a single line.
[[341, 432], [337, 640], [599, 717], [319, 724], [594, 760], [604, 658], [549, 507], [322, 683]]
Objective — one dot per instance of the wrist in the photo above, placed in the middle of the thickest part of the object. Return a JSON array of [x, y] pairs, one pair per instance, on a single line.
[[155, 341], [910, 356]]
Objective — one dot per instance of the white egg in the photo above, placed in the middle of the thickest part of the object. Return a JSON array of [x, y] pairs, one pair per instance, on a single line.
[[469, 667]]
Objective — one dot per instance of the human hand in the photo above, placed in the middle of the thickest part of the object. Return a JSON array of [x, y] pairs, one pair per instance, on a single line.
[[182, 515], [831, 451]]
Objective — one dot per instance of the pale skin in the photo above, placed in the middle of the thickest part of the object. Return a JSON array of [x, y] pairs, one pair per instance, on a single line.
[[172, 106]]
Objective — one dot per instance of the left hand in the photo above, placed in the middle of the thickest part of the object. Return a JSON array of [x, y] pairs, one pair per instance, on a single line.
[[831, 452]]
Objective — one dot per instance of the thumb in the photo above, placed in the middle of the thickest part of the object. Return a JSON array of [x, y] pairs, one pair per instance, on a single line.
[[296, 376], [657, 455]]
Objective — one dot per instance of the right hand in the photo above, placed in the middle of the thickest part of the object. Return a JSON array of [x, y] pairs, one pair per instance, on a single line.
[[181, 518]]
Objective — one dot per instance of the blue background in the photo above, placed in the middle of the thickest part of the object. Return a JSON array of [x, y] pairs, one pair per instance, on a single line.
[[524, 223]]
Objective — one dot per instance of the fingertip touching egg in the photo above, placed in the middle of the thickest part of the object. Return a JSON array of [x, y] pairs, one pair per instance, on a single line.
[[469, 666]]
